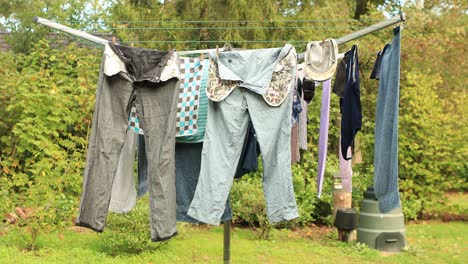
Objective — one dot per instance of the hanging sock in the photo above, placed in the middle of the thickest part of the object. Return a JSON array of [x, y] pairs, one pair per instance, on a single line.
[[323, 134]]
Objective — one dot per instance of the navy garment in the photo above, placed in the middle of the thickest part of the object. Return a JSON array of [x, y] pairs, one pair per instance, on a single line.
[[142, 167], [249, 156], [351, 118], [375, 74]]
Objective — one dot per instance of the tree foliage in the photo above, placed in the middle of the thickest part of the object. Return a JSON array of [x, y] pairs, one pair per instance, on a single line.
[[46, 108]]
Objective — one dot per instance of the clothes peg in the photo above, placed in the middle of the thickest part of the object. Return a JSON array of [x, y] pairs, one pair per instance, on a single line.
[[202, 56], [113, 40], [217, 51], [131, 44], [170, 47], [357, 42]]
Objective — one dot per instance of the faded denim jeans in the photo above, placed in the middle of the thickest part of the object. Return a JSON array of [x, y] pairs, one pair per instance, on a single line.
[[225, 132], [140, 84], [238, 95]]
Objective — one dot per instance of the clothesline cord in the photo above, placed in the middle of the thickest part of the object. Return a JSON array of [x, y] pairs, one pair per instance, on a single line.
[[217, 41], [223, 28], [230, 21]]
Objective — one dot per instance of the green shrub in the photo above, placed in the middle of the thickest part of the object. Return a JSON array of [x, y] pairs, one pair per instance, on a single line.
[[248, 204], [46, 112], [129, 233]]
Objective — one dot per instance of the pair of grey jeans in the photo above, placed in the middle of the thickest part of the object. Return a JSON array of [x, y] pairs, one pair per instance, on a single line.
[[224, 137], [156, 103]]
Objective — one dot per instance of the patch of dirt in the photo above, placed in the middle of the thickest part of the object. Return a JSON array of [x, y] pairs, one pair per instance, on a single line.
[[313, 232], [445, 217]]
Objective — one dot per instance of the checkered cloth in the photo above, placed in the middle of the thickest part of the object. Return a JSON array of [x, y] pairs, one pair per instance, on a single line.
[[188, 103], [134, 123], [189, 93]]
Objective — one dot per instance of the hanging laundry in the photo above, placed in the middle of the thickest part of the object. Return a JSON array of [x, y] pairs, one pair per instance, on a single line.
[[323, 134], [188, 160], [321, 58], [202, 108], [134, 123], [340, 79], [375, 74], [296, 107], [188, 67], [386, 127], [340, 85], [188, 157], [346, 171], [123, 199], [308, 88], [252, 70], [142, 187], [248, 85], [248, 161], [148, 80], [303, 119], [296, 110], [188, 104], [351, 116]]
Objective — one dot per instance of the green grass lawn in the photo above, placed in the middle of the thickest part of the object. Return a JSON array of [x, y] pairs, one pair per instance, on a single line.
[[428, 242]]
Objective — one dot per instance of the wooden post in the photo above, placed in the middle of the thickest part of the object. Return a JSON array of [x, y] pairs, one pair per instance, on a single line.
[[347, 235], [346, 223], [341, 200]]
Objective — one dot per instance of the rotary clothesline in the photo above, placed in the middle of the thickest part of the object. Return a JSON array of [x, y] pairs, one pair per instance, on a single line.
[[91, 39], [341, 40]]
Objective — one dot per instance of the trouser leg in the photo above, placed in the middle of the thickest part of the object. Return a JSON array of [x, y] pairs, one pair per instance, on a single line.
[[224, 136], [158, 106], [109, 129], [123, 195], [273, 128]]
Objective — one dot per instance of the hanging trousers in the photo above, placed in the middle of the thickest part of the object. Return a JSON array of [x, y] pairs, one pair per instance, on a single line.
[[386, 127], [224, 137], [156, 100]]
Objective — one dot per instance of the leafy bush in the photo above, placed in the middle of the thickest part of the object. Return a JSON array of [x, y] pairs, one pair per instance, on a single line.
[[129, 233], [423, 145], [248, 204], [46, 111]]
